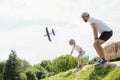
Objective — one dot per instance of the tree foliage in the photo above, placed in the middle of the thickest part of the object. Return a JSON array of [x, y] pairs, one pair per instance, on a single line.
[[85, 60], [2, 65], [24, 65], [18, 69], [93, 60], [12, 68], [30, 75], [64, 63], [47, 64]]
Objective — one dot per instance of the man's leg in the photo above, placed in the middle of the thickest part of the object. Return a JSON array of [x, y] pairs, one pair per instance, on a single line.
[[102, 39], [98, 48]]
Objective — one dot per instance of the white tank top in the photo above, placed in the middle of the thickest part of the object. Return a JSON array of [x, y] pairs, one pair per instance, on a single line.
[[101, 27]]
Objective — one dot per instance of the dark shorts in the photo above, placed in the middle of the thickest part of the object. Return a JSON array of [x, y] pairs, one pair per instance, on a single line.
[[106, 35]]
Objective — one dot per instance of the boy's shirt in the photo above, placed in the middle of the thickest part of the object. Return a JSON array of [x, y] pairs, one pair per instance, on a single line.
[[77, 48]]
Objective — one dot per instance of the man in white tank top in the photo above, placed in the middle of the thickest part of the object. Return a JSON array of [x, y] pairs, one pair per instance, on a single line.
[[98, 28]]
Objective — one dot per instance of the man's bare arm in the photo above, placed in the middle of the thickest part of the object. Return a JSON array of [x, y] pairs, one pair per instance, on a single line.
[[95, 32]]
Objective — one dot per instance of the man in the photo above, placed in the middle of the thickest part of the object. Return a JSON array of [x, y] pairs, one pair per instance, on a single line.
[[105, 34]]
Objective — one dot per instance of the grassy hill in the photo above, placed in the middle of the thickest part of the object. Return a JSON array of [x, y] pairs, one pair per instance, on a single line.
[[92, 72], [89, 72]]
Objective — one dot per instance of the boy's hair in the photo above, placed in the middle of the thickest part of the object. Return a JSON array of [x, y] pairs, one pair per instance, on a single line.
[[71, 41]]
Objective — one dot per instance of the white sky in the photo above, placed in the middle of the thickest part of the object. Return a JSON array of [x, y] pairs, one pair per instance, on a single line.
[[23, 22]]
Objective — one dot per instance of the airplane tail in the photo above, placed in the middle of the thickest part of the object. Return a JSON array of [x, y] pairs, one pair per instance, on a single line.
[[53, 32]]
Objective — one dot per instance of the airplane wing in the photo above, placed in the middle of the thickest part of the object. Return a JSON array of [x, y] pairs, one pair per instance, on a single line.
[[48, 35]]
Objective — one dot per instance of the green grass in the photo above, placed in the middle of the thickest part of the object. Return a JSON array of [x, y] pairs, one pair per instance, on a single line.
[[92, 73]]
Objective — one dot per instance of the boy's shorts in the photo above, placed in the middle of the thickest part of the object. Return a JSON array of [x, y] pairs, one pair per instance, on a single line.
[[106, 35], [81, 53]]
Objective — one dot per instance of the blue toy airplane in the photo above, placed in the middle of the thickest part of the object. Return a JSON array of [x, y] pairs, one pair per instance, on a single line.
[[48, 34]]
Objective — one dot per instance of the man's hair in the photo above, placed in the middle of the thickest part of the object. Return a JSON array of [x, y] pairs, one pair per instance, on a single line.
[[85, 14]]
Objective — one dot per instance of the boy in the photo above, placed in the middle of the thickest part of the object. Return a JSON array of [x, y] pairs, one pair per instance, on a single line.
[[79, 50]]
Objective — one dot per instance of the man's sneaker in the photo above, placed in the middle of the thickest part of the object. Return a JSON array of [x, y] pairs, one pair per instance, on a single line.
[[101, 61]]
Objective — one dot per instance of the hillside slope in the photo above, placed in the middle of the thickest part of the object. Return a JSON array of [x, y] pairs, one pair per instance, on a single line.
[[91, 72]]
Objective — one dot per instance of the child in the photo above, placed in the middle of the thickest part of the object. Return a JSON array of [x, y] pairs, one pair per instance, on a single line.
[[79, 50]]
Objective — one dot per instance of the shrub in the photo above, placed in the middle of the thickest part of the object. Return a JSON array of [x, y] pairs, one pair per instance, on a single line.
[[64, 63]]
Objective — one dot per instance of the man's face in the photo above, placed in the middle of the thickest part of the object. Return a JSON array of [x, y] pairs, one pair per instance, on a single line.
[[85, 18]]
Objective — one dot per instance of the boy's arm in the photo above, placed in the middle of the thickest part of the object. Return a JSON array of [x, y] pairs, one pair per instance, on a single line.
[[71, 52], [95, 33]]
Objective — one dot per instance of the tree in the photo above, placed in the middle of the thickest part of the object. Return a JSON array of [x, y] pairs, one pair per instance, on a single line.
[[47, 64], [30, 75], [40, 75], [24, 65], [2, 65], [23, 76], [12, 67], [42, 72]]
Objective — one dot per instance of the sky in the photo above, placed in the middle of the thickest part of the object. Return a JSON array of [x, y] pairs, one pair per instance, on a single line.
[[23, 22]]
